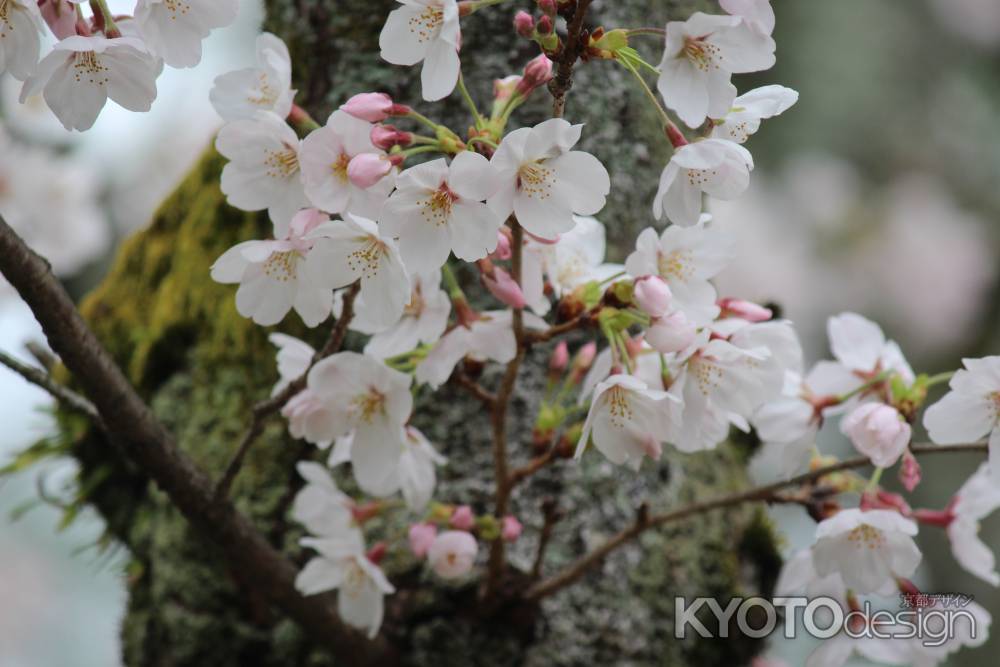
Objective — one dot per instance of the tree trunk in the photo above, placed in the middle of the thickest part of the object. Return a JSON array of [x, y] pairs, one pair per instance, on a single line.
[[202, 366]]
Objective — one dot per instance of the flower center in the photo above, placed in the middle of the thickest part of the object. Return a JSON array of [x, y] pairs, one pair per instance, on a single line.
[[282, 164], [365, 260], [995, 397], [618, 406], [416, 305], [427, 24], [700, 177], [354, 580], [369, 404], [281, 266], [88, 67], [436, 209], [340, 168], [677, 264], [265, 95], [536, 180], [176, 7], [866, 536], [700, 53], [4, 16]]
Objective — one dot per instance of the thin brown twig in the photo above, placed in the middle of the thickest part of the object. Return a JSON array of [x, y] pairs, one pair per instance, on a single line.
[[518, 475], [579, 322], [264, 409], [563, 79], [131, 425], [767, 493], [479, 391], [551, 514], [69, 398]]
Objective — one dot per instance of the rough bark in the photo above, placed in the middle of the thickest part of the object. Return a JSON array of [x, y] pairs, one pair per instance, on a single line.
[[202, 367]]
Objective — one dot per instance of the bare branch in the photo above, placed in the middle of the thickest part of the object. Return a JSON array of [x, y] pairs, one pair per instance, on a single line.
[[69, 398], [563, 79], [768, 493], [131, 424]]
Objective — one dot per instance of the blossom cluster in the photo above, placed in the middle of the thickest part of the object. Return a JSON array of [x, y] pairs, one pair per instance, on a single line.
[[375, 211]]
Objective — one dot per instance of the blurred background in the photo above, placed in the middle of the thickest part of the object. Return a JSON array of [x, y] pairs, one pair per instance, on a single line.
[[878, 193]]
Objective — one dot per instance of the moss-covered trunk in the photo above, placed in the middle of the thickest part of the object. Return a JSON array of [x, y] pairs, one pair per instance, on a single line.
[[182, 343]]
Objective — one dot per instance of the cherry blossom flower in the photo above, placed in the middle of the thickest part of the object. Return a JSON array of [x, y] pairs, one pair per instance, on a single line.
[[577, 258], [544, 182], [462, 518], [426, 30], [652, 295], [266, 87], [294, 358], [687, 258], [21, 30], [670, 333], [81, 73], [758, 14], [173, 29], [978, 498], [861, 348], [869, 550], [716, 167], [320, 506], [361, 395], [372, 107], [627, 421], [510, 528], [971, 409], [743, 120], [878, 431], [263, 170], [424, 319], [417, 475], [701, 55], [277, 276], [60, 15], [438, 208], [325, 156], [490, 337], [342, 564], [421, 537], [453, 554]]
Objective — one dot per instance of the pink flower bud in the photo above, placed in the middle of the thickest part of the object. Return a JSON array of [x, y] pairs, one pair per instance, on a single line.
[[582, 362], [560, 359], [387, 136], [366, 169], [510, 528], [652, 294], [453, 554], [60, 15], [909, 471], [377, 552], [504, 88], [503, 245], [548, 7], [538, 72], [505, 288], [373, 107], [362, 513], [421, 538], [878, 431], [544, 26], [746, 310], [524, 24], [463, 518], [302, 223], [671, 334]]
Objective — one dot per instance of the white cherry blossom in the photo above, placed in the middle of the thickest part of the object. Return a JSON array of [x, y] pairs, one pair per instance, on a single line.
[[294, 358], [174, 29], [971, 410], [320, 506], [21, 30], [869, 550], [743, 119], [81, 73], [878, 431], [342, 564], [862, 349], [424, 319], [426, 30], [325, 156], [978, 498], [438, 208], [716, 167], [758, 14], [687, 258], [700, 56], [544, 182], [490, 337], [627, 421], [577, 258], [263, 170], [265, 87], [277, 276], [354, 249]]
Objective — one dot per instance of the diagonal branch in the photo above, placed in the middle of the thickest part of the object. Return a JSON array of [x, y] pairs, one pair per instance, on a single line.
[[67, 397], [767, 493], [131, 424]]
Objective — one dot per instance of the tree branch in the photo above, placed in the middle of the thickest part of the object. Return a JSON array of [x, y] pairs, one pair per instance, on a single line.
[[67, 397], [768, 493], [131, 424], [563, 79], [264, 409]]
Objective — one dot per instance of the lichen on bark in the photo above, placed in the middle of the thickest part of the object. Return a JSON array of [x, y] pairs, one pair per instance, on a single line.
[[180, 340]]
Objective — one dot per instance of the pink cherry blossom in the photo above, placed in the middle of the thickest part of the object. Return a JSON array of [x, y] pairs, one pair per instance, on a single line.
[[372, 107], [453, 554], [510, 528], [653, 295], [421, 537], [462, 518], [878, 431]]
